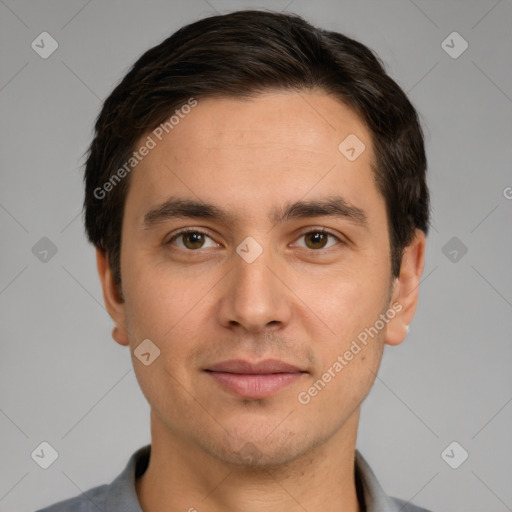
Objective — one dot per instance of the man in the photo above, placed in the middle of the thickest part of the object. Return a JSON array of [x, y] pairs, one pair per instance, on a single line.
[[256, 194]]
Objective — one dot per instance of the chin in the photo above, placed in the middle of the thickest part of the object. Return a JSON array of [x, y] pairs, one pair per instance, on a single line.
[[259, 450]]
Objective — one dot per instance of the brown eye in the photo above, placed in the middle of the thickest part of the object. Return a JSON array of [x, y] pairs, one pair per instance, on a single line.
[[316, 240], [192, 240]]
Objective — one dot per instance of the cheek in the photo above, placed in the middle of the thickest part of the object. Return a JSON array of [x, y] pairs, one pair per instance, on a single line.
[[174, 311], [167, 320], [349, 356], [161, 299], [350, 347], [348, 302]]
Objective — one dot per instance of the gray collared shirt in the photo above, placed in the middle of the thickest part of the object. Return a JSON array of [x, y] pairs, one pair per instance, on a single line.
[[120, 495]]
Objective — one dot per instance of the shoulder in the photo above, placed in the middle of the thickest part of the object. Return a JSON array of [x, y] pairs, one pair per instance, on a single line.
[[406, 506], [376, 499], [120, 495], [90, 501]]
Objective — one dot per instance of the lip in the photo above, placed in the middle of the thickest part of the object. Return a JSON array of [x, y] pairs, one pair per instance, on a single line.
[[240, 366], [254, 380]]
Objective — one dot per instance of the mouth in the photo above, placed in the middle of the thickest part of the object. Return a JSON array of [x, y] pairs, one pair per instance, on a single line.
[[254, 380]]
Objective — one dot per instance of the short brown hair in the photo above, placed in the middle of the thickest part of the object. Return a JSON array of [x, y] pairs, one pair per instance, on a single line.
[[239, 55]]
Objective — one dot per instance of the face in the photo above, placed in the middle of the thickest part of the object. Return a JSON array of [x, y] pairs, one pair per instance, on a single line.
[[255, 255]]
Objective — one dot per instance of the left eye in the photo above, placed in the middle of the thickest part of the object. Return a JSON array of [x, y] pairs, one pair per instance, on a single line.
[[192, 240], [317, 240]]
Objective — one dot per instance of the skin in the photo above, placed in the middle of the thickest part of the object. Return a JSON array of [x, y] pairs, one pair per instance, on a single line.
[[296, 302]]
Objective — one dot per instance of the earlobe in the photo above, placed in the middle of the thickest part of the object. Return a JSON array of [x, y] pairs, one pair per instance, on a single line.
[[119, 335], [406, 289], [112, 297]]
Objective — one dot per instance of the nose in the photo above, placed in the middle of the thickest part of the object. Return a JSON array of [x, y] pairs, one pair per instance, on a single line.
[[253, 297]]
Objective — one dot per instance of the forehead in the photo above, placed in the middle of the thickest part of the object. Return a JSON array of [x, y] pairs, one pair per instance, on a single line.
[[258, 150], [309, 122]]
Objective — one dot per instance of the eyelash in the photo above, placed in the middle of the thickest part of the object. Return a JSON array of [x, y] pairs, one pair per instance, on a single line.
[[321, 250], [186, 231]]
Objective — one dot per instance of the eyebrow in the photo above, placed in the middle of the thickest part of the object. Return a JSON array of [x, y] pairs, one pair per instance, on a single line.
[[335, 206], [176, 208]]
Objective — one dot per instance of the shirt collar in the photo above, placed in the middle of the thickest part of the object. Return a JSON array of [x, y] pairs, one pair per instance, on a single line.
[[375, 499], [122, 494]]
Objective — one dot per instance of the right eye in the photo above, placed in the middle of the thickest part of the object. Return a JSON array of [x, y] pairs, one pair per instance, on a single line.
[[192, 240]]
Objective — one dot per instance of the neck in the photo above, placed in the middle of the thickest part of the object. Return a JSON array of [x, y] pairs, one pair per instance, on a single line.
[[182, 477]]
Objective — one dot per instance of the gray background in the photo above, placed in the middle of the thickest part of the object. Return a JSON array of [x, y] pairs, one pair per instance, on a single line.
[[65, 381]]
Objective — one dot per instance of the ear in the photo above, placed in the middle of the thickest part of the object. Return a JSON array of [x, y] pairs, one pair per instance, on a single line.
[[406, 289], [113, 299]]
